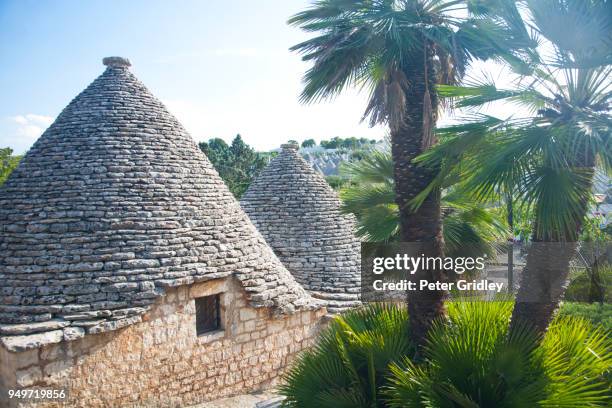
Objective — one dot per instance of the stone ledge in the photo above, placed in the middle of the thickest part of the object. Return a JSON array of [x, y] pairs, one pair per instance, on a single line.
[[30, 328], [22, 343]]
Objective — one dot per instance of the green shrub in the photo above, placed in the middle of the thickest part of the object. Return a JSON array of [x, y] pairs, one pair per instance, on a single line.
[[349, 364], [591, 285], [337, 182], [365, 360], [596, 313], [472, 362]]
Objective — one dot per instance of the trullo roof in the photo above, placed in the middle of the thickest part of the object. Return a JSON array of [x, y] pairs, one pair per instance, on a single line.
[[299, 215], [113, 203]]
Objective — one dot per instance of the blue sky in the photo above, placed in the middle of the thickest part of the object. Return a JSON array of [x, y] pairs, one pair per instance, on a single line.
[[221, 67]]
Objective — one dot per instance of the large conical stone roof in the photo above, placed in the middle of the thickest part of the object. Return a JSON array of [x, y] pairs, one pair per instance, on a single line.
[[114, 202], [299, 215]]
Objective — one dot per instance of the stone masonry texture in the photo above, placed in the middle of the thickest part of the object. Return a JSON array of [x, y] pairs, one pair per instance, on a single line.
[[161, 362], [113, 205], [299, 215]]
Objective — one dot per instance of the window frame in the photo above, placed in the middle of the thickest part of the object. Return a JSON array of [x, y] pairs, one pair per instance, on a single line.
[[217, 317]]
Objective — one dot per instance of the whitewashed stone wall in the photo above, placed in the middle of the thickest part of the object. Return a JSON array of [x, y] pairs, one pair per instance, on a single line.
[[161, 362]]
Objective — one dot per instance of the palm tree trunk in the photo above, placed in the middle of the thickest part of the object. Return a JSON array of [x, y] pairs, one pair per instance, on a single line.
[[543, 283], [545, 276], [424, 224], [510, 255]]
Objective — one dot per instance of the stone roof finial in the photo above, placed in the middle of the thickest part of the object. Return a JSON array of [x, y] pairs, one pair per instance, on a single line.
[[290, 146], [116, 62]]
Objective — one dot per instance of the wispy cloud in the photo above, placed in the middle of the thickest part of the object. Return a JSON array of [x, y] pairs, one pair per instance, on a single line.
[[31, 125], [24, 130]]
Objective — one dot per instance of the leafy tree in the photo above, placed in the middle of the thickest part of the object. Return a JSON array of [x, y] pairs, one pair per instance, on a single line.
[[550, 155], [334, 143], [400, 51], [237, 164], [8, 163], [216, 150], [309, 143], [350, 143]]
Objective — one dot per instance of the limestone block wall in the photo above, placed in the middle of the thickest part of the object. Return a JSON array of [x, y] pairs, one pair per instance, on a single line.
[[161, 362]]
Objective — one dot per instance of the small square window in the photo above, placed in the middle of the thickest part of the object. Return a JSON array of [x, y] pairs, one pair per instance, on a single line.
[[208, 314]]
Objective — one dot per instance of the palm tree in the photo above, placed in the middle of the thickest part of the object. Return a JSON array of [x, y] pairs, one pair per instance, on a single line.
[[400, 50], [469, 229], [550, 155]]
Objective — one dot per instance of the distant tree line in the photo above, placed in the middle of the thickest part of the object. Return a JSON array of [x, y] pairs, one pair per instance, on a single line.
[[340, 143]]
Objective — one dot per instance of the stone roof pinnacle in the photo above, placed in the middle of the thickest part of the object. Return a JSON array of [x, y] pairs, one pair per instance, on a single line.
[[117, 62], [290, 146]]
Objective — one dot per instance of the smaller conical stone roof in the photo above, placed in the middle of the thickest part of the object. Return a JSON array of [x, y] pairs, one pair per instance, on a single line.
[[299, 215]]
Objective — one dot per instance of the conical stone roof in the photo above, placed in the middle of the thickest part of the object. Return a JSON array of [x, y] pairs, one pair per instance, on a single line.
[[113, 203], [299, 215]]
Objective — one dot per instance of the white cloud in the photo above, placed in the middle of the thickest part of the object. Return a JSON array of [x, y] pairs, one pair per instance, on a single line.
[[31, 125], [33, 119], [24, 130]]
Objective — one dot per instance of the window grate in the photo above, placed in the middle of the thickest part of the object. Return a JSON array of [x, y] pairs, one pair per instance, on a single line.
[[208, 314]]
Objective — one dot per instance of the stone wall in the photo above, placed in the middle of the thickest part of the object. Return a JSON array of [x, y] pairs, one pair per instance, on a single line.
[[161, 362]]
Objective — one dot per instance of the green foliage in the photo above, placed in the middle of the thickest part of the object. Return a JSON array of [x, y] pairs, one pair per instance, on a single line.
[[549, 155], [577, 359], [349, 364], [363, 359], [337, 182], [593, 284], [371, 197], [216, 150], [8, 163], [592, 231], [350, 143], [472, 361], [596, 313], [591, 279], [309, 143], [237, 164]]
